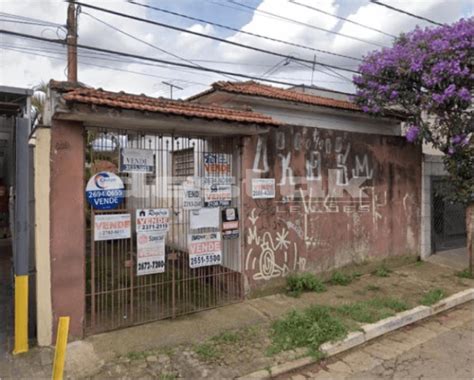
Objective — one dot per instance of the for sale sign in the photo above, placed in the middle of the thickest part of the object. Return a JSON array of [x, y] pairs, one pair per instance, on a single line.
[[152, 219], [205, 249], [217, 164], [263, 188], [112, 227], [217, 195], [191, 198], [136, 160], [150, 252]]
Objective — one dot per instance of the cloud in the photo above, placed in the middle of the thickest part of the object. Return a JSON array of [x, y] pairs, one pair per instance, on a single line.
[[22, 69]]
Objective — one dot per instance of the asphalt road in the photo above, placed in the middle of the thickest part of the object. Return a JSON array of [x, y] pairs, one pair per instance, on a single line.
[[439, 348]]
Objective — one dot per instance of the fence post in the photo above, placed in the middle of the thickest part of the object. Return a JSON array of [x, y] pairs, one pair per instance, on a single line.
[[60, 352]]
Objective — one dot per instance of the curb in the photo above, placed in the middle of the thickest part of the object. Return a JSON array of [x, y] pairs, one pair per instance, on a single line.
[[369, 331]]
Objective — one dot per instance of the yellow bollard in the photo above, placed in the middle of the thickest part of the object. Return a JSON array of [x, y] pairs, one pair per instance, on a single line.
[[60, 352], [21, 315]]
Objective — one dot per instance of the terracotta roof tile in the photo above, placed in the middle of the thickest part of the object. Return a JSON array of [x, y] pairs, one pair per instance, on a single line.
[[160, 105], [258, 89]]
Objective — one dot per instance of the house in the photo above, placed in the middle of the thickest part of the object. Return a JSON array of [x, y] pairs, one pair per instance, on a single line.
[[153, 208]]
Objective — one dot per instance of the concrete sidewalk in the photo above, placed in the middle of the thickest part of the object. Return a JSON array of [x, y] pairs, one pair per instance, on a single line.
[[92, 355]]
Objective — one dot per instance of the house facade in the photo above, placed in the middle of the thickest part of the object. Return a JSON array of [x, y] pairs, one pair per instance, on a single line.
[[155, 208]]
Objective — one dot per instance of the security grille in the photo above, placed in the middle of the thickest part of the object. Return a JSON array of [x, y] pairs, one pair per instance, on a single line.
[[448, 218], [116, 296]]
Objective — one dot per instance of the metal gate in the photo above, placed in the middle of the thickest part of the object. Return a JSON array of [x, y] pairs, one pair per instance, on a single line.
[[448, 218], [115, 295]]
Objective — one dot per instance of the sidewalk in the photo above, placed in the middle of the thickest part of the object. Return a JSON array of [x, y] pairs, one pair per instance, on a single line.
[[225, 342]]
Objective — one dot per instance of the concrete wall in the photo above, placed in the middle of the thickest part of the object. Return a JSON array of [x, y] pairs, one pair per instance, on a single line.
[[42, 235], [432, 166], [340, 198], [67, 229]]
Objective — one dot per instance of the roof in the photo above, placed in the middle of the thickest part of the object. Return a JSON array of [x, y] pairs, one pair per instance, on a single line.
[[267, 91], [122, 100]]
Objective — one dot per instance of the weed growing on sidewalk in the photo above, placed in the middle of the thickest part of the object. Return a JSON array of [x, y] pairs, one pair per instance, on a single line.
[[206, 351], [373, 310], [298, 283], [307, 328], [340, 278], [466, 273], [382, 271], [432, 297]]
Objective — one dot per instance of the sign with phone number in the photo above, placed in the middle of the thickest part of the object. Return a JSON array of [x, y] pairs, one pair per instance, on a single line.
[[205, 249]]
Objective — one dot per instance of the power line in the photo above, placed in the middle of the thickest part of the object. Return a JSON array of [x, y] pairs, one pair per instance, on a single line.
[[207, 36], [341, 18], [26, 51], [304, 23], [30, 19], [142, 41], [405, 12], [150, 59], [242, 31]]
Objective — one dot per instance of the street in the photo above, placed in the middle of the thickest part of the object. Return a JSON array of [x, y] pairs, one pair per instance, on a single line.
[[439, 348]]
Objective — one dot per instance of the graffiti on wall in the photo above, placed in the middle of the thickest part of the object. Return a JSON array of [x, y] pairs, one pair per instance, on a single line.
[[271, 255], [334, 178]]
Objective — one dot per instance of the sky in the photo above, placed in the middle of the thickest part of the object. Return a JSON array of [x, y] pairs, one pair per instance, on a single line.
[[26, 63]]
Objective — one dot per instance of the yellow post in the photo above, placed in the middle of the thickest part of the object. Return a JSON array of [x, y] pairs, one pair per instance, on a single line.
[[21, 314], [60, 352]]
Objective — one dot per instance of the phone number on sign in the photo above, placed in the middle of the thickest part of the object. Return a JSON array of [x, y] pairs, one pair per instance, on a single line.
[[205, 260], [148, 265]]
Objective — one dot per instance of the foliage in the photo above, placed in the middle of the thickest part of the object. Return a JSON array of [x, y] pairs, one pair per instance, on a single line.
[[308, 328], [206, 351], [433, 296], [382, 271], [373, 310], [340, 278], [466, 273], [428, 75], [298, 283], [373, 288]]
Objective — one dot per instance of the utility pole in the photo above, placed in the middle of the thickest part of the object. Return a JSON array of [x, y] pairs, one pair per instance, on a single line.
[[71, 41], [171, 88]]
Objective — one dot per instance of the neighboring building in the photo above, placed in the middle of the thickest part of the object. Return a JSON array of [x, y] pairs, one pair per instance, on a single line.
[[16, 214], [315, 185]]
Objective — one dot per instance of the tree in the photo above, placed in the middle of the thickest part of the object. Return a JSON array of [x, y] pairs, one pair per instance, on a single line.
[[428, 75]]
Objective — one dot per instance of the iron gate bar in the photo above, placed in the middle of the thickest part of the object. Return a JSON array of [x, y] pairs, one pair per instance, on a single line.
[[115, 296]]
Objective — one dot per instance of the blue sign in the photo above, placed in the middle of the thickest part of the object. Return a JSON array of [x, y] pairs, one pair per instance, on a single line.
[[105, 191]]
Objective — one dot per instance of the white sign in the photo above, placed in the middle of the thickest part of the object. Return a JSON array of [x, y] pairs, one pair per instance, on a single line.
[[150, 252], [205, 249], [263, 188], [205, 218], [191, 198], [136, 160], [152, 219], [112, 227], [217, 195]]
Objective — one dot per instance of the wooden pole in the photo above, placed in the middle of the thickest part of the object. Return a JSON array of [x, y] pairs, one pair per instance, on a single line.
[[71, 40]]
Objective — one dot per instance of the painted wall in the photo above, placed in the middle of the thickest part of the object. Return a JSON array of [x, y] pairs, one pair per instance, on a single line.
[[67, 229], [42, 253], [341, 198]]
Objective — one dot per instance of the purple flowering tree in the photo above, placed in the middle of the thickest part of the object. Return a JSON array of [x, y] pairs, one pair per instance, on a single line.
[[428, 76]]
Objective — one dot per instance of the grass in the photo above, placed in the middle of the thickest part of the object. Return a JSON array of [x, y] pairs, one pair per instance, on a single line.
[[167, 376], [206, 351], [137, 355], [466, 273], [373, 288], [433, 296], [310, 328], [382, 271], [227, 337], [298, 283], [373, 310], [340, 278]]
